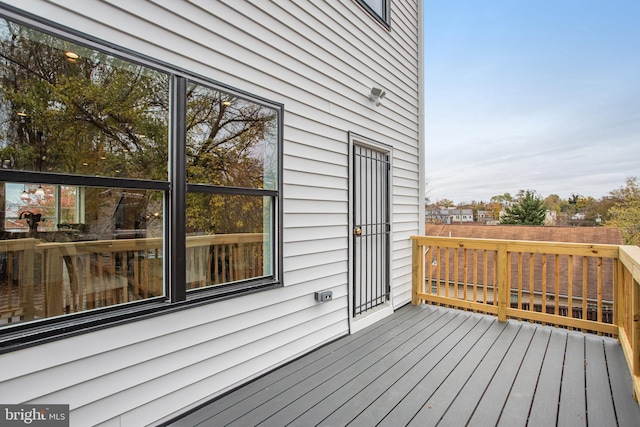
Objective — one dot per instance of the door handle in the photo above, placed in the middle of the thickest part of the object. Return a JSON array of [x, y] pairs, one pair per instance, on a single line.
[[357, 231]]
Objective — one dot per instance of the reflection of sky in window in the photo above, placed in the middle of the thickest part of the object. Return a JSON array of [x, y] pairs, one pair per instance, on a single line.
[[12, 199]]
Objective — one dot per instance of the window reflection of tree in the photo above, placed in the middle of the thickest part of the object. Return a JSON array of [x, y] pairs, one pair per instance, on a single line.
[[227, 140], [69, 109]]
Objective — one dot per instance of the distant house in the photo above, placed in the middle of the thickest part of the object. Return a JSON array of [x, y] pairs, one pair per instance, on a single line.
[[449, 216]]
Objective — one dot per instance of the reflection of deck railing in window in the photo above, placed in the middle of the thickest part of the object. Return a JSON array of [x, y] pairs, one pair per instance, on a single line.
[[39, 280]]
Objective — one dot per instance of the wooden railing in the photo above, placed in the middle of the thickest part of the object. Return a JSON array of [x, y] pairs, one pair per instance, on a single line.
[[628, 306], [593, 288], [45, 279]]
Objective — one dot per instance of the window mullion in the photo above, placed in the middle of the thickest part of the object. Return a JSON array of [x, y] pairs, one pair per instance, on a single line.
[[175, 228]]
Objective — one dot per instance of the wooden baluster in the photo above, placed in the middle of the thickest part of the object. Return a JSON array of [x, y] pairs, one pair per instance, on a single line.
[[599, 291], [557, 286], [446, 272], [475, 276], [428, 283], [503, 269], [585, 288], [439, 271], [465, 273], [485, 276], [570, 288], [519, 280], [544, 286], [456, 282], [495, 277], [531, 282]]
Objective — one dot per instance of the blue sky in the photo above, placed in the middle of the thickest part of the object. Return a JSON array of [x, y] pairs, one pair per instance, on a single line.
[[531, 94]]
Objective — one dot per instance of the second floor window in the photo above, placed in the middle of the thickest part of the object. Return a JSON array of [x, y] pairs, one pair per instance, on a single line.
[[378, 8]]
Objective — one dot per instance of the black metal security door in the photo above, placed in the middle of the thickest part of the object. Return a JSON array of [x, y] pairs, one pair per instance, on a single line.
[[371, 228]]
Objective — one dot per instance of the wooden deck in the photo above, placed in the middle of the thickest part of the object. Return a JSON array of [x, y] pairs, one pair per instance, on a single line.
[[428, 365]]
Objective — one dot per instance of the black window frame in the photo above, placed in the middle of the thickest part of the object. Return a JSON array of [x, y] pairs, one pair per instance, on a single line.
[[385, 18], [27, 334]]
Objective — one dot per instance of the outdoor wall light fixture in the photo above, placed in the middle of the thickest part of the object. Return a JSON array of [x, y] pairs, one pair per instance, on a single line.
[[377, 95]]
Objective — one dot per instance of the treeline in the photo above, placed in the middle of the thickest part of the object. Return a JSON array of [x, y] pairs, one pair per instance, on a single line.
[[621, 209]]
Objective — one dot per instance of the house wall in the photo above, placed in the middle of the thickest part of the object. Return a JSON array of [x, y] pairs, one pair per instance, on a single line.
[[319, 59]]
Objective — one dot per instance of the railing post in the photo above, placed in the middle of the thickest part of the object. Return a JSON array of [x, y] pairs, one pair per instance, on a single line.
[[417, 271], [635, 330], [503, 283]]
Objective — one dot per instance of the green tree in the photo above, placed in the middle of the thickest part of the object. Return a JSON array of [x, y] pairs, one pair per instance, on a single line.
[[625, 213], [553, 202], [528, 210], [503, 200], [69, 109], [445, 203]]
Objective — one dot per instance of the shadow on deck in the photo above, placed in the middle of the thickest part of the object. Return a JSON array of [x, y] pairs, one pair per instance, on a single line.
[[428, 365]]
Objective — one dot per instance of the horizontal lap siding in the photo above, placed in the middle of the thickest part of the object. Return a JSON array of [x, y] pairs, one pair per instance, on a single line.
[[319, 59]]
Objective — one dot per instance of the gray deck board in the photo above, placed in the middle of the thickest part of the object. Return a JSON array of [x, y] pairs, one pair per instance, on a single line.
[[477, 381], [378, 361], [600, 411], [243, 399], [573, 408], [378, 377], [349, 408], [620, 382], [492, 402], [524, 387], [432, 368], [428, 366], [302, 396], [544, 409]]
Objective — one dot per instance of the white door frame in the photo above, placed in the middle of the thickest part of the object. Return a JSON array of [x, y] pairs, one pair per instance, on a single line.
[[370, 316]]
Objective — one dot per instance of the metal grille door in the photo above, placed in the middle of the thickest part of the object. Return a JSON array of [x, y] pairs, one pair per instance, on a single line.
[[371, 228]]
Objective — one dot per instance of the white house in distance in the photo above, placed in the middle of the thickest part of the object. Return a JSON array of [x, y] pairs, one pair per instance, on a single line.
[[197, 192]]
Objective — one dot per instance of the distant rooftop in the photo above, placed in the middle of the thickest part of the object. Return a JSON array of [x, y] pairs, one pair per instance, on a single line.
[[595, 235]]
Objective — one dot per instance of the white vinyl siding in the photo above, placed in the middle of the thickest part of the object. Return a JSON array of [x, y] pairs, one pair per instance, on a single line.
[[320, 60]]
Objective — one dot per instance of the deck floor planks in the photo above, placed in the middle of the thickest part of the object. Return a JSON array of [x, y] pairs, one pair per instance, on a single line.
[[600, 410], [438, 361], [425, 370], [450, 372], [544, 409], [491, 404], [247, 395], [270, 398], [520, 398], [463, 405], [336, 389], [374, 381], [627, 412], [573, 409], [329, 378], [352, 405]]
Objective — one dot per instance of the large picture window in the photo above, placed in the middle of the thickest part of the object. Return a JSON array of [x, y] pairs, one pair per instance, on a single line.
[[91, 189]]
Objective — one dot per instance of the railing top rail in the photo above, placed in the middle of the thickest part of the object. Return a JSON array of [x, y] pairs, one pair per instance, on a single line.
[[528, 246], [630, 257]]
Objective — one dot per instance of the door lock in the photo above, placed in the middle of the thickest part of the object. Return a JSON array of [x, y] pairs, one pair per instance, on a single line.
[[357, 231]]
